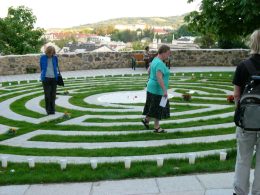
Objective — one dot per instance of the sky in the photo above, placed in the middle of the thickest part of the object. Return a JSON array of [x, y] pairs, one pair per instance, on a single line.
[[64, 14]]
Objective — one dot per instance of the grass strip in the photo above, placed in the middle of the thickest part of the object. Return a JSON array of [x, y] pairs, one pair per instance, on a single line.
[[51, 173], [109, 152]]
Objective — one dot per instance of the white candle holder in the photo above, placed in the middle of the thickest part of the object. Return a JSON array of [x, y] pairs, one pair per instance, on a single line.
[[192, 158], [159, 161], [127, 162], [31, 162], [93, 163], [4, 161], [63, 164], [222, 156]]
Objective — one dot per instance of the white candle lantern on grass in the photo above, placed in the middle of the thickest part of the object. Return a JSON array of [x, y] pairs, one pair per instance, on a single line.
[[31, 162], [127, 162], [93, 163], [159, 161], [4, 161], [63, 164], [192, 158], [222, 156]]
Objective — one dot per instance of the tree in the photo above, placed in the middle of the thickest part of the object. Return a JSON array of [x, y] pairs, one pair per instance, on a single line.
[[229, 20], [125, 36], [62, 42], [137, 45], [206, 41], [104, 30], [17, 33], [184, 30]]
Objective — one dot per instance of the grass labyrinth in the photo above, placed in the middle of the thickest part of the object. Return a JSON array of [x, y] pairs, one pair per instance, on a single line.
[[103, 123]]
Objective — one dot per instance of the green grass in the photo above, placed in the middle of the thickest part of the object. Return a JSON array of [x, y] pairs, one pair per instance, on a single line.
[[130, 137], [51, 173], [109, 152]]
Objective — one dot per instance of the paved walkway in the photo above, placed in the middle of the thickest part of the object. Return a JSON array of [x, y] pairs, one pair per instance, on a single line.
[[203, 184], [117, 71]]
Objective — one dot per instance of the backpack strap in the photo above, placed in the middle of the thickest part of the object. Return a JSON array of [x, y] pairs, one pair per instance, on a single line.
[[250, 67]]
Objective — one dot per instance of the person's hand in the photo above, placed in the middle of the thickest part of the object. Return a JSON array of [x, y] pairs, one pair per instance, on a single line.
[[165, 93]]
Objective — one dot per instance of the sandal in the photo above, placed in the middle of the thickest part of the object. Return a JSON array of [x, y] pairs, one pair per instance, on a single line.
[[145, 123], [159, 130]]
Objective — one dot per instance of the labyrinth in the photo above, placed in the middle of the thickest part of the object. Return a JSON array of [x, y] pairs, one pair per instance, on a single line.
[[100, 118]]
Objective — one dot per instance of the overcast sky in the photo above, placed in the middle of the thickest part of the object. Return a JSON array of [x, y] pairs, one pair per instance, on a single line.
[[61, 14]]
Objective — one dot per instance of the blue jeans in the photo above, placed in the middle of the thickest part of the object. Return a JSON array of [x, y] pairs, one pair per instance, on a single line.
[[247, 141]]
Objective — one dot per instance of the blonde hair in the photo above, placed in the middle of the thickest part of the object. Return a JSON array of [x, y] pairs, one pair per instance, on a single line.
[[50, 50], [255, 42]]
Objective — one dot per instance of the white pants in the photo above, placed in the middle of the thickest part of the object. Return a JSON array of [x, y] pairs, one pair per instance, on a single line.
[[246, 142]]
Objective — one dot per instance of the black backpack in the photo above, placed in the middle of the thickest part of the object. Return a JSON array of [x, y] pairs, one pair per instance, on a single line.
[[247, 114]]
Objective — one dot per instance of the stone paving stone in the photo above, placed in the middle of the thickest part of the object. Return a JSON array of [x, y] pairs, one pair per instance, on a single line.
[[179, 184], [185, 193], [135, 186], [219, 192], [13, 190], [60, 189], [3, 129], [218, 180]]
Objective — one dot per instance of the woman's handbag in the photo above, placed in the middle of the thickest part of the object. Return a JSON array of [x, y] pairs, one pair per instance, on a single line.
[[60, 79]]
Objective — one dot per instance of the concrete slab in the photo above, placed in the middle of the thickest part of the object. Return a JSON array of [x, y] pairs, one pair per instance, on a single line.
[[179, 184], [13, 190], [219, 192], [218, 180], [185, 193], [60, 189], [136, 186]]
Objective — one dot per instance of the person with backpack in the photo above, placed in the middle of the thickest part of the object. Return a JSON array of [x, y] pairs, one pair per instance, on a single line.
[[246, 93]]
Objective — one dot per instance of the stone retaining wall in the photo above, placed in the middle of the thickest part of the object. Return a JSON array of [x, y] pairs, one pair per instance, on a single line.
[[22, 64]]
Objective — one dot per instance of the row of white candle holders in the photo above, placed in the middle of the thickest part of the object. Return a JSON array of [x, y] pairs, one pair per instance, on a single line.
[[94, 162]]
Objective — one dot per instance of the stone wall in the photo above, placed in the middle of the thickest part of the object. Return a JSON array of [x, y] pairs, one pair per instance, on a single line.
[[22, 64]]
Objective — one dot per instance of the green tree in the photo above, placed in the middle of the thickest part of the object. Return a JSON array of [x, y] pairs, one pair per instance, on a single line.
[[229, 20], [17, 33], [62, 42], [137, 45], [125, 36], [104, 30], [206, 41], [184, 30]]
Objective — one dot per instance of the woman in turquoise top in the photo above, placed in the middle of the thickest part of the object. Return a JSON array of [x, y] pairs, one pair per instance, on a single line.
[[156, 89]]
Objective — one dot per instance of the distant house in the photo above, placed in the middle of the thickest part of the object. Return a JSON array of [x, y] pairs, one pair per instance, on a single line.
[[78, 47], [103, 48], [160, 31]]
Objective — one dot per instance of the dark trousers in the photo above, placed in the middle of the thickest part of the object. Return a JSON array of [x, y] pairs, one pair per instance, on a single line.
[[147, 63], [49, 87]]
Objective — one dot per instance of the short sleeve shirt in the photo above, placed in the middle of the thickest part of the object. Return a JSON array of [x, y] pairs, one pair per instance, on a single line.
[[153, 86], [242, 75]]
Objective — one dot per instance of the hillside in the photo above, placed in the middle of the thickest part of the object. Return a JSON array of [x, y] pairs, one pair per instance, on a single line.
[[173, 21], [151, 21]]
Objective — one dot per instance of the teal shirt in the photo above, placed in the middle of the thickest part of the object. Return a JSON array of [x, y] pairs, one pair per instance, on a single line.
[[153, 86]]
